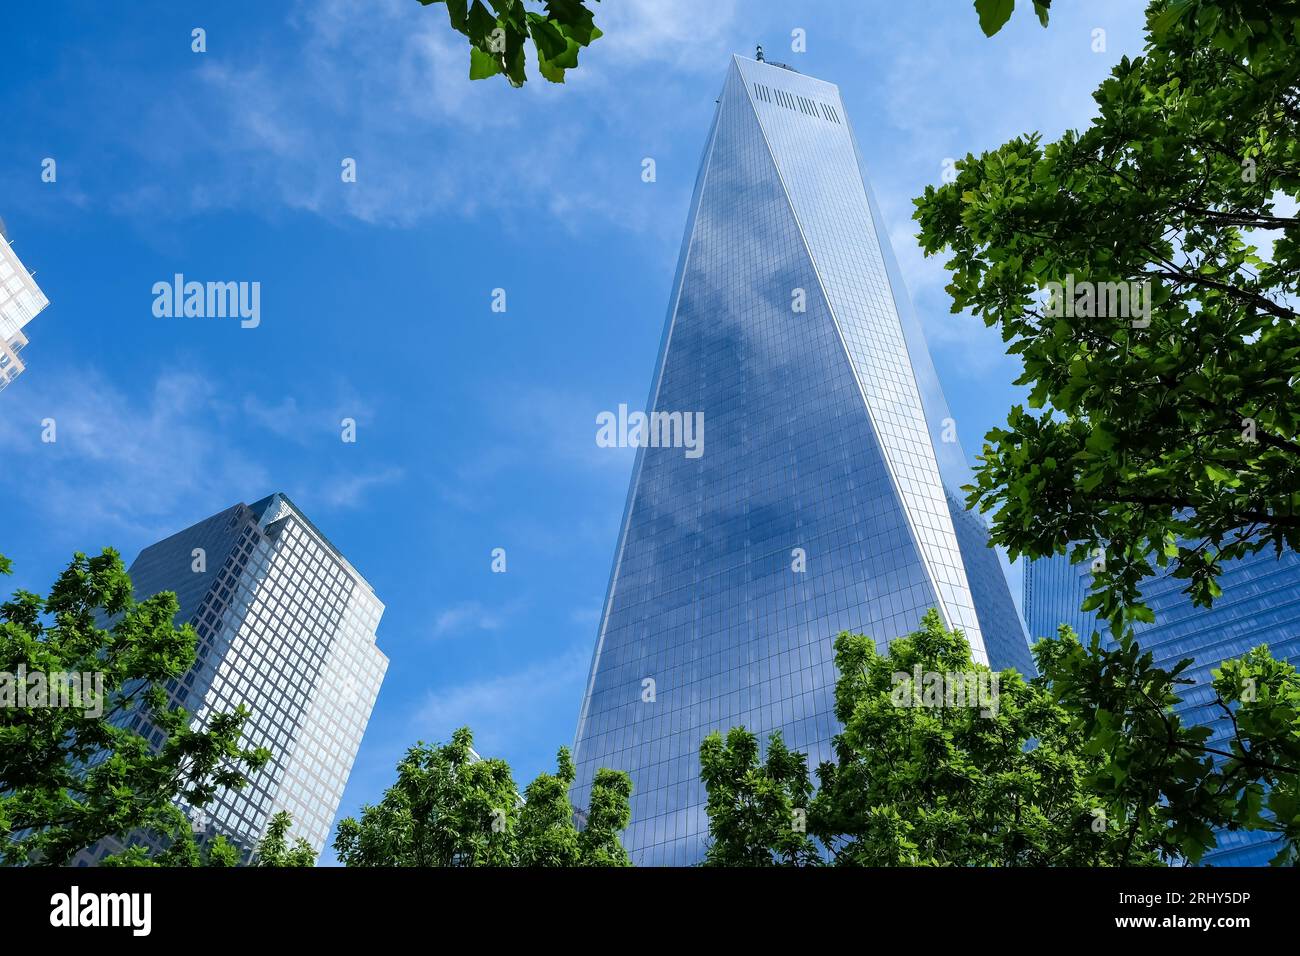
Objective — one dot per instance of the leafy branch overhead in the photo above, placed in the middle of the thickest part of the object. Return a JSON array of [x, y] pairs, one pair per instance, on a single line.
[[1146, 271], [498, 36], [994, 14]]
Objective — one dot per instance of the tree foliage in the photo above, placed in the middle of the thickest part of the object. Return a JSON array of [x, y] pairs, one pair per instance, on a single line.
[[72, 775], [919, 782], [608, 814], [498, 36], [1171, 438], [184, 850], [1085, 765], [757, 810], [275, 850], [451, 808], [1170, 783]]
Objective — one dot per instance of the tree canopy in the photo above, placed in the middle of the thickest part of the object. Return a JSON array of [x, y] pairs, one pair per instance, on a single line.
[[449, 807], [73, 770]]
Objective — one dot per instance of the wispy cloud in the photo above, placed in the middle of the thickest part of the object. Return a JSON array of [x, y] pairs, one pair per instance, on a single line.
[[287, 108], [305, 421], [505, 710], [543, 430], [116, 464], [350, 490], [671, 34], [467, 616], [140, 467]]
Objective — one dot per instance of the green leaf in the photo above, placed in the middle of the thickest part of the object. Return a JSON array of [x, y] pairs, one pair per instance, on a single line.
[[1172, 14], [994, 14], [482, 64], [481, 23], [551, 43], [1219, 475]]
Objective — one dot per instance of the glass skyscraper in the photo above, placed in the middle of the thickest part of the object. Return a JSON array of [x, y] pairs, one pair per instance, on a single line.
[[826, 495], [1260, 604], [286, 627]]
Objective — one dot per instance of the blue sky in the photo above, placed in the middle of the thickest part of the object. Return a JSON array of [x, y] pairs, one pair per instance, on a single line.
[[475, 429]]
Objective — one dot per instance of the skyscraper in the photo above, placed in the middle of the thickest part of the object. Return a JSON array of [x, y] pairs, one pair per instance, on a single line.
[[286, 627], [1260, 604], [825, 498], [21, 300]]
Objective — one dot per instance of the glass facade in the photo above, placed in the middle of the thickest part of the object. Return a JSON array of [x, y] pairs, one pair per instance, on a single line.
[[1260, 604], [286, 627], [822, 502]]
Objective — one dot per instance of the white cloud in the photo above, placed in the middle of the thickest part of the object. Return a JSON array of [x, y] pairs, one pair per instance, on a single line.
[[140, 469], [265, 127], [538, 429], [510, 710], [307, 421], [117, 464], [467, 616], [671, 34], [349, 490]]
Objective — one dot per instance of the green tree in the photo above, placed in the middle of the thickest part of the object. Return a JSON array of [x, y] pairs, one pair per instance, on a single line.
[[608, 815], [1085, 765], [275, 850], [995, 777], [1160, 347], [546, 835], [758, 812], [499, 36], [72, 775], [449, 807]]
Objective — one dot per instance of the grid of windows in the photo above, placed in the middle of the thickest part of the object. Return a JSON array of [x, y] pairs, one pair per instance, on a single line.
[[11, 366], [710, 623], [1003, 629]]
